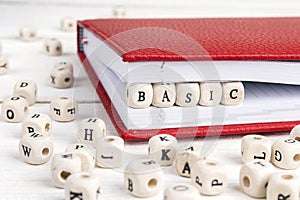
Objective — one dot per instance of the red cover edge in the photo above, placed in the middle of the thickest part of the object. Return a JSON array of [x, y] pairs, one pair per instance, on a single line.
[[127, 134]]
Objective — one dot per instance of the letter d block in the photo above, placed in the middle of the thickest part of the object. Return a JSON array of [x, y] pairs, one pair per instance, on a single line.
[[143, 178], [139, 95], [209, 177], [232, 93]]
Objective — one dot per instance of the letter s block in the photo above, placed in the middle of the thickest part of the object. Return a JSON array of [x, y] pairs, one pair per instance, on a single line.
[[139, 95], [232, 93], [188, 94]]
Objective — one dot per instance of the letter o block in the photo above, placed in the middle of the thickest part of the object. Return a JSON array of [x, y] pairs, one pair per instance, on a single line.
[[139, 95], [63, 109], [164, 95], [180, 191], [286, 153], [162, 149], [232, 93], [254, 178], [209, 177], [187, 94], [143, 178], [255, 147], [14, 109]]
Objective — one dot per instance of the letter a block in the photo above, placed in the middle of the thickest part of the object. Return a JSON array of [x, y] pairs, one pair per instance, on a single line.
[[164, 95]]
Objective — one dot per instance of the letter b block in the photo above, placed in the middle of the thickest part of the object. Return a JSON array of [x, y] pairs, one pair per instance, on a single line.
[[143, 178], [209, 177], [232, 93], [139, 95]]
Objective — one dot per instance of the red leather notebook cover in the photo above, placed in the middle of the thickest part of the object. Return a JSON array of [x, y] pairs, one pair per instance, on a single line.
[[221, 39]]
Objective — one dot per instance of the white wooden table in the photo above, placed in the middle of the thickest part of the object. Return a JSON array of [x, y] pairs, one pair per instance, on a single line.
[[19, 180]]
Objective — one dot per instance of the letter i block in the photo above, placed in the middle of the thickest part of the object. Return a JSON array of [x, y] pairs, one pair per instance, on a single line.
[[164, 95], [90, 130], [162, 149], [143, 178], [211, 94], [188, 94], [139, 95], [209, 177], [233, 93], [109, 152]]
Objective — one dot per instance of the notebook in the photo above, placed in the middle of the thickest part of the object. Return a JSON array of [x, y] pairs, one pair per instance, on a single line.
[[261, 52]]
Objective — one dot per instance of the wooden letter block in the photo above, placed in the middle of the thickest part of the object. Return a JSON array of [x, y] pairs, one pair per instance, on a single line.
[[68, 24], [187, 94], [63, 109], [256, 147], [254, 178], [180, 191], [162, 149], [295, 133], [62, 166], [186, 159], [53, 47], [139, 95], [3, 65], [211, 94], [164, 95], [85, 154], [110, 152], [27, 33], [119, 12], [283, 186], [62, 75], [36, 148], [232, 93], [26, 89], [209, 177], [90, 130], [83, 186], [143, 178], [14, 109], [37, 122], [286, 153]]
